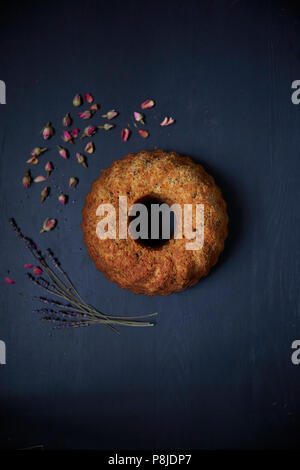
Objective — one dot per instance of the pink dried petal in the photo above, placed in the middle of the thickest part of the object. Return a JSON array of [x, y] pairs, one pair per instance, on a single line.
[[77, 100], [125, 133], [27, 180], [167, 121], [85, 114], [88, 98], [39, 179], [67, 121], [48, 225], [63, 152], [89, 131], [47, 131], [75, 133], [8, 280], [33, 161], [110, 114], [36, 270], [89, 148], [143, 133], [67, 137], [107, 127], [28, 266], [49, 168], [73, 182], [63, 199], [81, 159], [37, 151], [148, 104], [45, 193], [94, 107], [139, 117]]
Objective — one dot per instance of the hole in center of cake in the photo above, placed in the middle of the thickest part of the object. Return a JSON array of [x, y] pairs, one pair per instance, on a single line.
[[151, 222]]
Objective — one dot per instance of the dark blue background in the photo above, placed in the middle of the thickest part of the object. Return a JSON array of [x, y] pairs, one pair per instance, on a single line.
[[216, 371]]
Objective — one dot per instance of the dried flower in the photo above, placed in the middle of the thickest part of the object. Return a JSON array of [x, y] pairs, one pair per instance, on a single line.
[[49, 168], [8, 280], [89, 131], [45, 193], [148, 104], [90, 147], [63, 152], [27, 180], [125, 133], [167, 121], [67, 137], [139, 117], [28, 266], [63, 199], [94, 107], [37, 151], [48, 225], [107, 127], [36, 270], [75, 133], [110, 114], [143, 133], [85, 114], [67, 121], [81, 159], [73, 182], [77, 100], [39, 179], [88, 98], [33, 161], [47, 131]]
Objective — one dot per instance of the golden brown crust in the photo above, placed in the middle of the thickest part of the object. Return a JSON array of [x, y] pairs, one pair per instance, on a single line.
[[173, 179]]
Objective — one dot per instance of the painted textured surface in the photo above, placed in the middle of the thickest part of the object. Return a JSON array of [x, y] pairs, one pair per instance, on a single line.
[[216, 372]]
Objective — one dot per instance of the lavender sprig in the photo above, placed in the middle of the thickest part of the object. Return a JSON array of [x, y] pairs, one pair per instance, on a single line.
[[76, 312]]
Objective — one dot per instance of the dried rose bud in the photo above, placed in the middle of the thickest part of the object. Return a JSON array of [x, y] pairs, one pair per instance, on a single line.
[[63, 152], [75, 133], [125, 133], [73, 182], [36, 270], [143, 133], [37, 151], [28, 266], [48, 225], [94, 108], [85, 114], [33, 161], [67, 121], [107, 127], [88, 98], [167, 121], [77, 100], [111, 114], [67, 137], [89, 131], [39, 179], [27, 180], [8, 280], [90, 147], [47, 131], [148, 104], [49, 168], [81, 159], [63, 199], [45, 193], [139, 117]]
